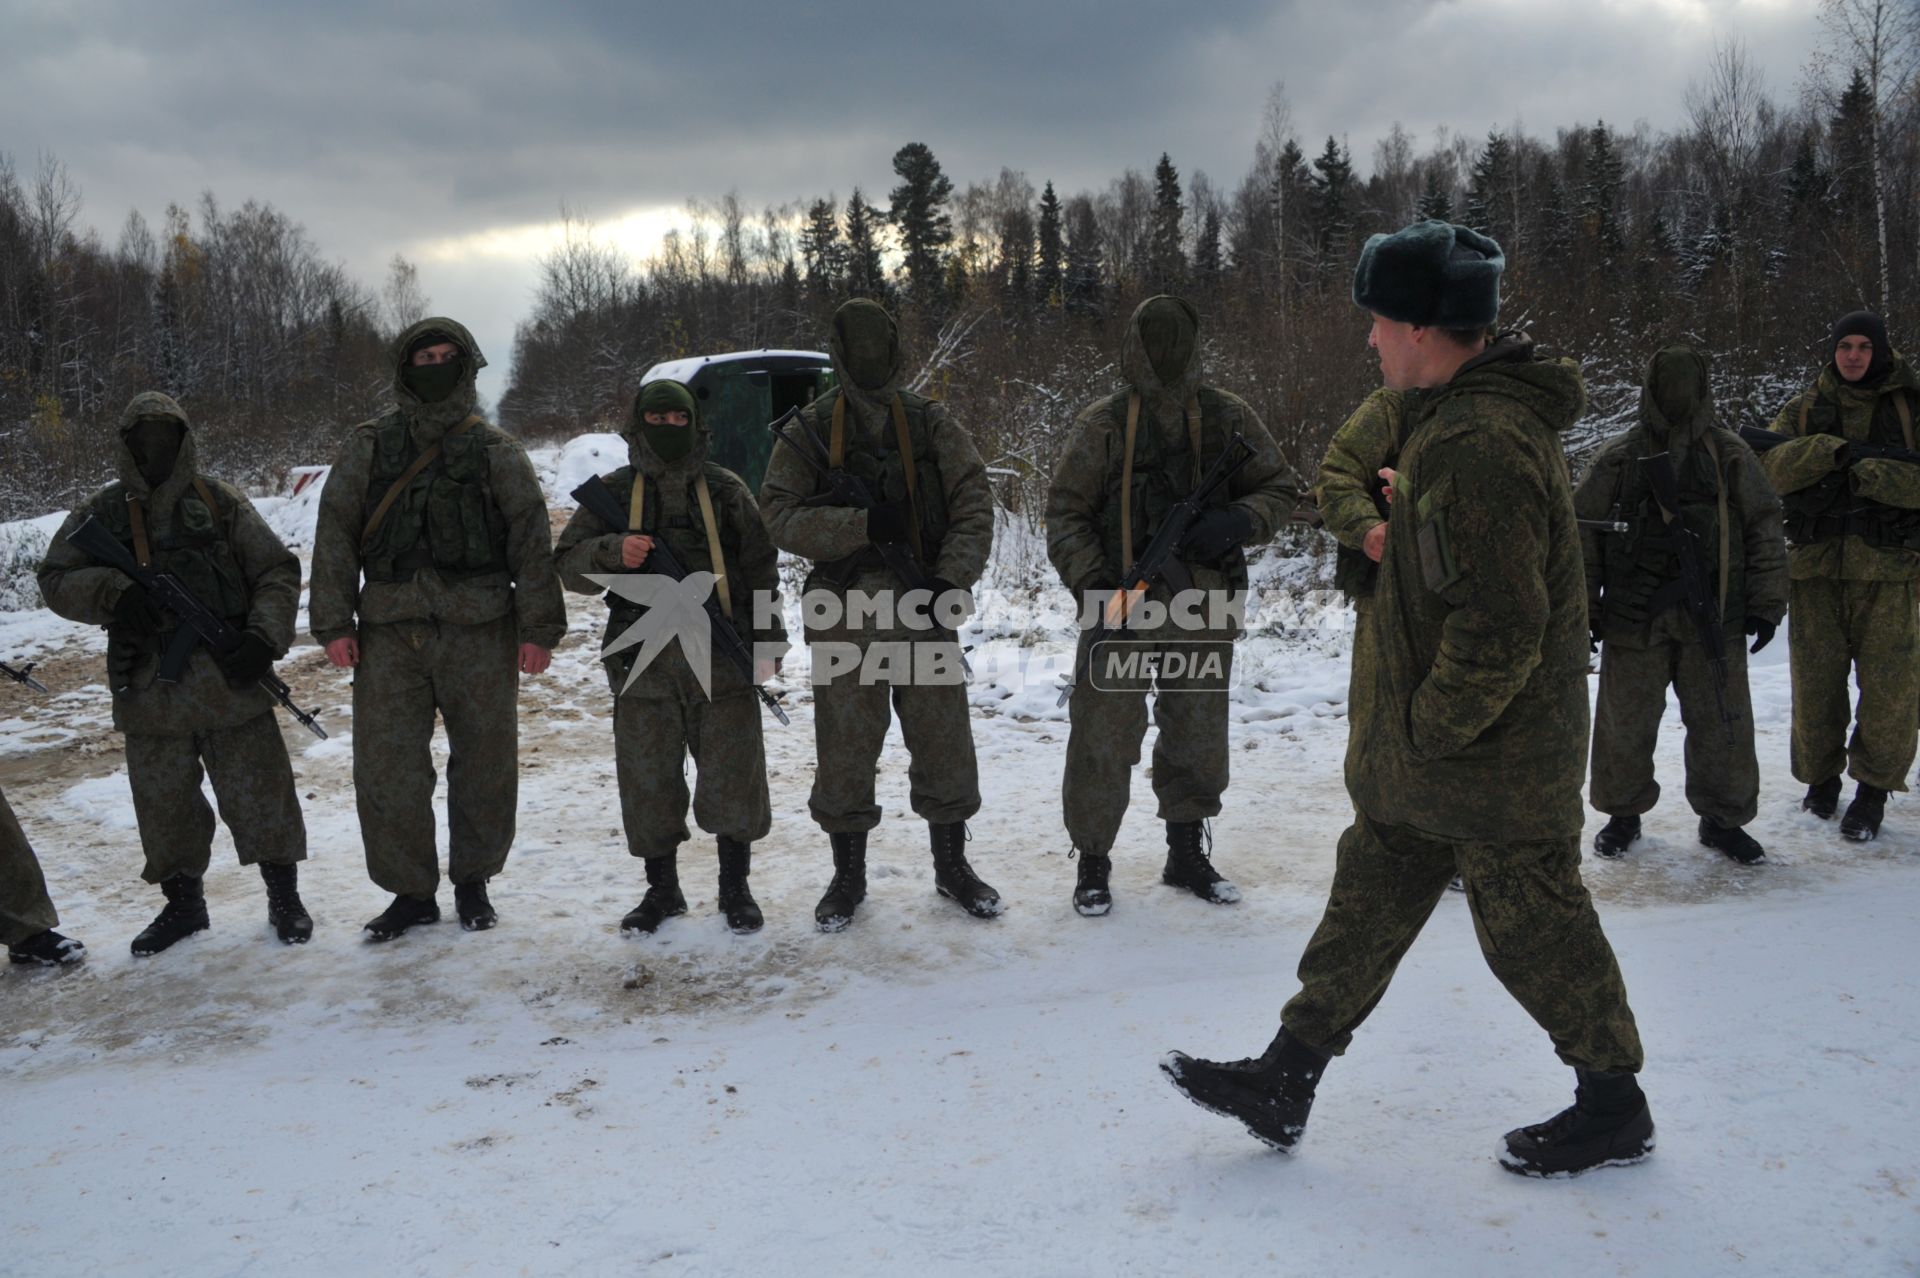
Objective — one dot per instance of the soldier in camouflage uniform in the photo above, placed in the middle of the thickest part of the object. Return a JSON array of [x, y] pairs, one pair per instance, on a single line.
[[1639, 616], [932, 495], [1177, 426], [1854, 525], [669, 487], [441, 514], [216, 719], [1471, 755], [27, 916]]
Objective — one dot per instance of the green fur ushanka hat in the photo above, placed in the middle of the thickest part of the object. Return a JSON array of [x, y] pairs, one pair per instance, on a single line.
[[1433, 274]]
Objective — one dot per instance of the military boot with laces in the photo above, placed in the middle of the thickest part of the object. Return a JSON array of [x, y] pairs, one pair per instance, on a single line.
[[184, 914], [849, 885], [1861, 824], [1188, 866], [1608, 1125], [285, 913], [1823, 798], [953, 878], [1092, 896], [1271, 1093], [736, 899], [1617, 835]]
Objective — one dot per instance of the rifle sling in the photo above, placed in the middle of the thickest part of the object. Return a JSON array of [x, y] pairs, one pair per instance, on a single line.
[[636, 509], [137, 516], [428, 455]]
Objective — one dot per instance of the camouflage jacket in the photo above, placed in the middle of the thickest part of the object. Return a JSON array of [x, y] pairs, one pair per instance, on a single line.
[[247, 552], [1477, 727], [1834, 410], [1367, 441]]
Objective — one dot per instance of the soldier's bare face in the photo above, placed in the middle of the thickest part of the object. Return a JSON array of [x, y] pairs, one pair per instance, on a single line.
[[438, 353], [672, 417], [1399, 349], [1853, 356]]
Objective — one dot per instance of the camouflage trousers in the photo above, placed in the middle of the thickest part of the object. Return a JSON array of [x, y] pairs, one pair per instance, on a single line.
[[469, 675], [252, 782], [1536, 924], [25, 908], [1866, 629], [851, 713], [1723, 776], [1108, 714], [662, 719]]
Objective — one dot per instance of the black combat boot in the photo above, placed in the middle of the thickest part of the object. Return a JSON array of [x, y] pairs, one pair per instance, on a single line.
[[1823, 798], [1188, 866], [184, 914], [475, 910], [1617, 835], [1864, 814], [405, 912], [1271, 1093], [285, 914], [953, 878], [663, 900], [1732, 840], [1608, 1125], [47, 949], [849, 886], [1091, 895], [736, 899]]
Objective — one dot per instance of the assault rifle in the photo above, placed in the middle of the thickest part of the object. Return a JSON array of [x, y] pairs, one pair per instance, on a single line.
[[1160, 560], [197, 624], [846, 489], [598, 498], [23, 675], [1761, 440], [1696, 592]]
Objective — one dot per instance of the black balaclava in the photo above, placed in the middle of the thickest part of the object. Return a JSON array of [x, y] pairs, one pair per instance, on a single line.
[[155, 445], [868, 343], [1868, 325], [432, 383], [669, 442]]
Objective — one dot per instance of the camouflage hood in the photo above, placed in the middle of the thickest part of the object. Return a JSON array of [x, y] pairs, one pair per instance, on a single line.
[[645, 460], [1160, 354], [864, 343], [430, 421], [1550, 389], [1676, 398], [155, 404]]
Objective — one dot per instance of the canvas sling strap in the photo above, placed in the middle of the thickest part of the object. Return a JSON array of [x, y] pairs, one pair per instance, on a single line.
[[637, 509], [137, 517], [427, 457]]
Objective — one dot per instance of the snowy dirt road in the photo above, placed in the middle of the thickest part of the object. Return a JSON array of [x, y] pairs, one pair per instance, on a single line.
[[924, 1092]]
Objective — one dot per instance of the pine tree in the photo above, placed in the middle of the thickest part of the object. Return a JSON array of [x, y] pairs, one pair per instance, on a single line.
[[1016, 260], [820, 248], [919, 214], [1489, 207], [866, 276], [1852, 141], [1807, 183], [1600, 193], [1434, 202], [1166, 265], [1082, 286], [1333, 200], [1207, 264], [1554, 223], [1050, 271]]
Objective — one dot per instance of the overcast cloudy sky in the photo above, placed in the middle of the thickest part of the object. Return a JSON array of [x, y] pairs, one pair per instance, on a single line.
[[451, 132]]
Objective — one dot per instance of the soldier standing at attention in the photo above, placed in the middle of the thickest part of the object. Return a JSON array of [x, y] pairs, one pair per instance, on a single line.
[[1475, 742], [216, 720], [433, 582], [1854, 525], [1131, 457]]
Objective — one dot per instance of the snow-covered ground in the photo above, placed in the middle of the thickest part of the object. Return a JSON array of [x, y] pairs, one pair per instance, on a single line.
[[924, 1091]]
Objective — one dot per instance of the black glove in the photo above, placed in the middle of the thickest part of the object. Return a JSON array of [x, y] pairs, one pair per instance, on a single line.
[[136, 614], [941, 588], [888, 521], [1216, 532], [246, 664], [1762, 630]]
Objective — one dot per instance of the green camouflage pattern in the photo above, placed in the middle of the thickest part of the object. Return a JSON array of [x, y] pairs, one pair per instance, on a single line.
[[252, 783], [339, 602], [79, 589], [1866, 629], [25, 908], [1858, 413], [1534, 919], [851, 718], [1367, 441], [1477, 723], [1723, 775], [665, 715], [469, 674], [1108, 714]]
